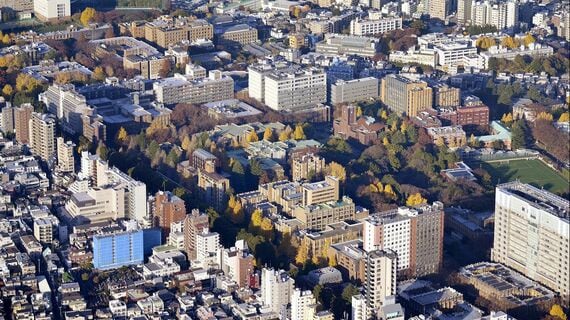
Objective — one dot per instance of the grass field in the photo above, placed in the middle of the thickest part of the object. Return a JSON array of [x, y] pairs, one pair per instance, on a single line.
[[533, 171]]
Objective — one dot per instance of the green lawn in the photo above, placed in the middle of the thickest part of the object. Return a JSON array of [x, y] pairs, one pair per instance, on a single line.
[[533, 171]]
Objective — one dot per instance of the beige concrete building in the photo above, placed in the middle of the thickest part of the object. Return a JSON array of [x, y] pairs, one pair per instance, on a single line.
[[167, 31], [306, 165], [354, 90], [532, 234], [319, 216], [179, 89], [404, 95], [451, 136], [23, 8], [52, 10], [296, 89], [149, 67], [320, 192], [380, 279], [446, 96], [42, 135], [240, 34], [370, 27], [437, 8], [65, 160]]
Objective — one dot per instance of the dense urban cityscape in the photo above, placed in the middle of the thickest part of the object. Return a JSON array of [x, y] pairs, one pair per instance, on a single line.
[[284, 159]]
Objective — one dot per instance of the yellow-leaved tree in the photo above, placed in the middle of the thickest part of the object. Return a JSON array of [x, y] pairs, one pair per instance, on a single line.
[[336, 170], [122, 135], [558, 312], [302, 253], [252, 137], [415, 199], [389, 191], [87, 16], [299, 134], [565, 117], [268, 134], [7, 91], [544, 116]]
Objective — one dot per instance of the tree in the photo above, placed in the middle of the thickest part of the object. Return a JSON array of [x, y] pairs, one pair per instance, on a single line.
[[384, 115], [565, 117], [415, 199], [518, 135], [252, 137], [26, 83], [186, 143], [6, 39], [122, 135], [509, 42], [267, 227], [299, 134], [98, 74], [545, 116], [348, 292], [268, 134], [256, 218], [528, 39], [337, 170], [557, 311], [507, 118], [87, 16], [7, 91], [302, 254], [389, 191], [485, 43], [237, 215], [102, 151]]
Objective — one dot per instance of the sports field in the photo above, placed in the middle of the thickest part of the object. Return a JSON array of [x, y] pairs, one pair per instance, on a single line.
[[532, 171]]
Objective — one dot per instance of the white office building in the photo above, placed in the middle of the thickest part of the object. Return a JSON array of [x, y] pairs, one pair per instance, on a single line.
[[371, 27]]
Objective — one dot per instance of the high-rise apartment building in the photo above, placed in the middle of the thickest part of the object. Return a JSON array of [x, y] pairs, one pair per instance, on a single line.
[[115, 250], [65, 160], [532, 234], [168, 209], [213, 188], [276, 290], [301, 304], [44, 228], [415, 234], [42, 135], [404, 95], [437, 8], [194, 223], [68, 105], [7, 119], [380, 279], [207, 248], [498, 14], [307, 165], [181, 89], [22, 116], [238, 263], [446, 96]]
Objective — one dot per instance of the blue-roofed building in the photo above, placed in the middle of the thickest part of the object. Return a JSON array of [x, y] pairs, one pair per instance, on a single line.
[[116, 250]]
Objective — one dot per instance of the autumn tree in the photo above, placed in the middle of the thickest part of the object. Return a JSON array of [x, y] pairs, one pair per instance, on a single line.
[[267, 228], [87, 16], [565, 117], [544, 116], [415, 199], [528, 39], [302, 253], [122, 135], [6, 39], [558, 312], [336, 170], [507, 119], [98, 74], [510, 42], [268, 134], [26, 83], [252, 137], [485, 43], [256, 219], [299, 134], [388, 191], [7, 91]]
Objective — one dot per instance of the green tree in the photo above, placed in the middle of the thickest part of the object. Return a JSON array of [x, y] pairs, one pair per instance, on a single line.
[[518, 135], [348, 292], [102, 151]]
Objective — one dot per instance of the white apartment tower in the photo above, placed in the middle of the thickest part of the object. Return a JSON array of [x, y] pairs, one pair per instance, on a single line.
[[302, 303], [295, 89], [207, 247], [532, 234], [380, 279], [276, 289]]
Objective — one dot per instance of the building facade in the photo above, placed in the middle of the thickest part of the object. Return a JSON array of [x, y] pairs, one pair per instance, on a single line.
[[116, 250]]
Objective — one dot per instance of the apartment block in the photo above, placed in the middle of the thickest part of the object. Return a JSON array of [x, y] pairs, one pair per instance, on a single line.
[[42, 136], [354, 90], [7, 119], [404, 95], [148, 66], [179, 89], [119, 249], [64, 102], [498, 14], [168, 209], [415, 234], [371, 27], [532, 234], [22, 116], [194, 223], [296, 89], [276, 290], [438, 8], [380, 280], [307, 165], [65, 159], [213, 188]]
